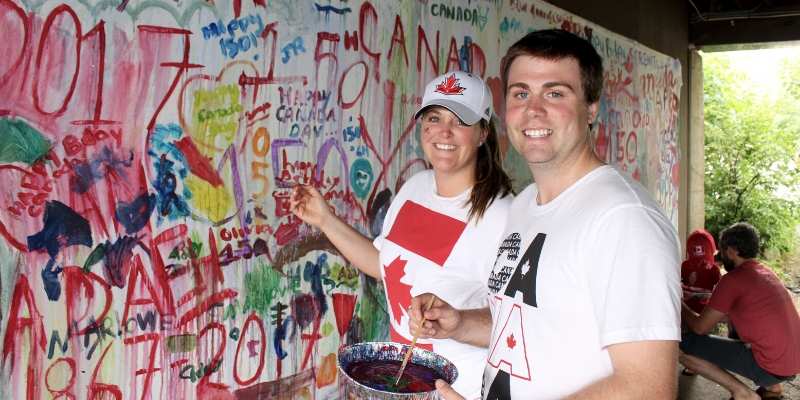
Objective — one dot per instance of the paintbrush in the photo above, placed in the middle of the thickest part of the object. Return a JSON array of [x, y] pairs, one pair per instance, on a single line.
[[413, 343]]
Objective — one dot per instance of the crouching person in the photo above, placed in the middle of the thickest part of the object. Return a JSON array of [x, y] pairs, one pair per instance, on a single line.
[[752, 297]]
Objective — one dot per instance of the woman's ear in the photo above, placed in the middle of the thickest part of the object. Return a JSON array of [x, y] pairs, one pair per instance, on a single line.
[[593, 109]]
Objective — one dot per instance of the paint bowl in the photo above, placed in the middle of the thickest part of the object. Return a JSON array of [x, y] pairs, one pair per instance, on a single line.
[[377, 355]]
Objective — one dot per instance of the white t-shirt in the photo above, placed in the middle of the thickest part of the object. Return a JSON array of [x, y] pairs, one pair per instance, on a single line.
[[427, 246], [596, 266]]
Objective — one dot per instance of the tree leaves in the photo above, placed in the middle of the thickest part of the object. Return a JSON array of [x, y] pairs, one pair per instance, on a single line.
[[751, 153]]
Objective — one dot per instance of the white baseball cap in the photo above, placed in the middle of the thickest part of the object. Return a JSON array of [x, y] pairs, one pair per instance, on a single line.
[[466, 95]]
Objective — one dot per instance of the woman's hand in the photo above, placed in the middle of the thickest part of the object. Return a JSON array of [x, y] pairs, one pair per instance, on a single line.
[[308, 204]]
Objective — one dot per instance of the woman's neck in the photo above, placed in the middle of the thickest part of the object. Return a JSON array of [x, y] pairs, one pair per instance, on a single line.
[[448, 185]]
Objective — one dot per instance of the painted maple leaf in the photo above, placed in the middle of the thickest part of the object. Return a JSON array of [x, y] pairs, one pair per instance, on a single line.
[[510, 341], [450, 86], [399, 293]]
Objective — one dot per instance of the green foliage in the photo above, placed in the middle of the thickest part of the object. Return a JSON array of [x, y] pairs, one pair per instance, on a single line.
[[751, 153], [791, 76]]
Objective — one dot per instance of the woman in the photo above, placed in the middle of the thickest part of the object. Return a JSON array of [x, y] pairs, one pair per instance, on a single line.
[[699, 275], [699, 272], [440, 231]]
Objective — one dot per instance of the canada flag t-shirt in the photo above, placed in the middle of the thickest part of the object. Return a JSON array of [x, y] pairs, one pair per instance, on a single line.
[[428, 246]]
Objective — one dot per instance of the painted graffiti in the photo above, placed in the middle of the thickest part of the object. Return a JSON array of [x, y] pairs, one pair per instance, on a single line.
[[148, 151]]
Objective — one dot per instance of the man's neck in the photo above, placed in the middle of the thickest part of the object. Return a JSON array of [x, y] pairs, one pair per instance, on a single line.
[[551, 182], [738, 261]]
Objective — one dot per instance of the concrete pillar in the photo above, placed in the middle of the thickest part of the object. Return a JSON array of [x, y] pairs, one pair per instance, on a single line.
[[695, 162]]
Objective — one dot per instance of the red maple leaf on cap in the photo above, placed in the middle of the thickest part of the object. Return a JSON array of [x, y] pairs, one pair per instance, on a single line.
[[450, 86], [510, 341]]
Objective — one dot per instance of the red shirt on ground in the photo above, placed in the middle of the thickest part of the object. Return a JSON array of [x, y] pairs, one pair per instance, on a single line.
[[761, 309]]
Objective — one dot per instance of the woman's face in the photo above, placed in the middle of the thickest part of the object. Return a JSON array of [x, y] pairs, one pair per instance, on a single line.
[[450, 145]]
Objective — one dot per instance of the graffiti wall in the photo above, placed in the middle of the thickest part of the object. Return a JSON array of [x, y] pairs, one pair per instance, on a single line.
[[148, 149]]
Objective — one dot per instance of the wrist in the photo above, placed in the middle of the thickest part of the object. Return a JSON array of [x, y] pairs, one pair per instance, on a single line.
[[327, 223], [459, 333]]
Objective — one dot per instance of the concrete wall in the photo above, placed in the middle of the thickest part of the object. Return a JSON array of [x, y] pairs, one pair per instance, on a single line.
[[148, 149], [664, 27]]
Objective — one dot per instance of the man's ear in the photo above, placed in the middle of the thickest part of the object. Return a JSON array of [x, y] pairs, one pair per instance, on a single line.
[[731, 252]]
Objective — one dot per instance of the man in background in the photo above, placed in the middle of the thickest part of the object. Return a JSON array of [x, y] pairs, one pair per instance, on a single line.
[[755, 301]]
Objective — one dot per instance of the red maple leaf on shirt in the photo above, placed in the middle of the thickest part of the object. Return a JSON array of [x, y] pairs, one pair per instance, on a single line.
[[399, 293], [510, 341], [450, 86]]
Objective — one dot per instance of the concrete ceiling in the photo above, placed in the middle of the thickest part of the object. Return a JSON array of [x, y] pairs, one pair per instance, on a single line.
[[734, 22]]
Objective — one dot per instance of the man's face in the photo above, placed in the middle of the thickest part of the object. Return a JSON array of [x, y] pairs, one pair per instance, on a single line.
[[546, 112], [727, 263]]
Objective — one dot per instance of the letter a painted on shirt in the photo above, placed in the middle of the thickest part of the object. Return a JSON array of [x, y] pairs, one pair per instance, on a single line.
[[524, 278], [500, 388], [509, 351]]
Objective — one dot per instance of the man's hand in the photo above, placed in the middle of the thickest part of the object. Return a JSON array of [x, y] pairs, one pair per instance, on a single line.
[[440, 321], [446, 391], [703, 323], [690, 292]]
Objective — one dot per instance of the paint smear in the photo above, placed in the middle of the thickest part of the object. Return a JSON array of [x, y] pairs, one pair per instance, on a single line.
[[382, 375], [181, 343], [199, 164], [326, 374], [135, 215], [19, 142], [290, 387], [169, 203], [213, 202], [63, 227], [261, 286], [343, 306], [52, 285], [377, 212], [118, 258]]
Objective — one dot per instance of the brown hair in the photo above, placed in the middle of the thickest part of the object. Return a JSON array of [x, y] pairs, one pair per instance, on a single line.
[[556, 44], [491, 180], [743, 237]]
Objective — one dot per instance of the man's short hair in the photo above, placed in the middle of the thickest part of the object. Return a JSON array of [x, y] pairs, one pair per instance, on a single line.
[[556, 44], [741, 236]]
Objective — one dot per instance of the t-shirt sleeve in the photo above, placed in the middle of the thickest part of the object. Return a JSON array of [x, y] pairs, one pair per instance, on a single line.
[[633, 276], [378, 241], [724, 295]]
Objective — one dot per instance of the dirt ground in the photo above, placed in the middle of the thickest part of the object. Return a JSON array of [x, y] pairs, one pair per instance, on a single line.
[[793, 281], [698, 388]]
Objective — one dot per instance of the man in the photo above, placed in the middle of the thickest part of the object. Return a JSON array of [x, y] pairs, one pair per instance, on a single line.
[[585, 291], [759, 306]]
